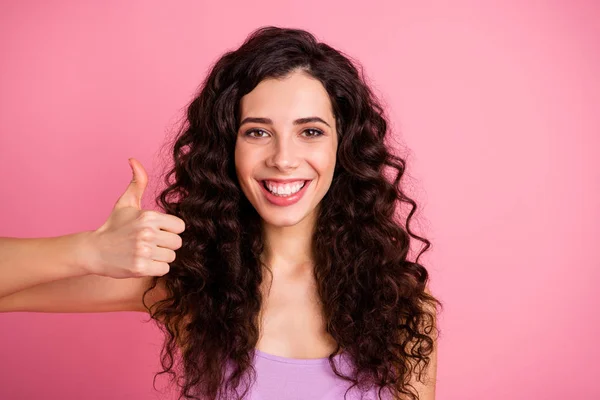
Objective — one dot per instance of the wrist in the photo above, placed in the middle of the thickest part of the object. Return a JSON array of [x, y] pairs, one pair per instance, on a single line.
[[84, 253]]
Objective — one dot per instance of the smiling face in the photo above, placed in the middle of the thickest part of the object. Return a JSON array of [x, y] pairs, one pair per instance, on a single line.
[[287, 133]]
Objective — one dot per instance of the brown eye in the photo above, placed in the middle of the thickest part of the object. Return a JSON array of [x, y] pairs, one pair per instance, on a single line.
[[316, 132], [249, 133]]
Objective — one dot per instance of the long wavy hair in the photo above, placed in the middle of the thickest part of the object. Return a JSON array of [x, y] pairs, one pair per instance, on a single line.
[[374, 300]]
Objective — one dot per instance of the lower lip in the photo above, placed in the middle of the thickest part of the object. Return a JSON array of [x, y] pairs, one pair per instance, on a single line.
[[284, 201]]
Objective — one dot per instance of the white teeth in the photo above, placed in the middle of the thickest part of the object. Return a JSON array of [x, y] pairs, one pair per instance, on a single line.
[[284, 190]]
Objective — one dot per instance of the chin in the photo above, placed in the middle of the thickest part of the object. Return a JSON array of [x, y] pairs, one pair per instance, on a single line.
[[281, 221]]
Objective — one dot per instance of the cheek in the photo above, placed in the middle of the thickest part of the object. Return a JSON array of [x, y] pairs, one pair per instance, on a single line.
[[242, 173], [242, 163], [324, 163]]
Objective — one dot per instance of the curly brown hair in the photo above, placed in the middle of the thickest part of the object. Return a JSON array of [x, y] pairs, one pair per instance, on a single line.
[[375, 301]]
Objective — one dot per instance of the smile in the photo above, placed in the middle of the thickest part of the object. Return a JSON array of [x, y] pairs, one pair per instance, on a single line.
[[284, 195], [283, 190]]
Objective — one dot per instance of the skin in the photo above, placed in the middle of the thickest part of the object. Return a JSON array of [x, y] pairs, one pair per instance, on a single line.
[[291, 322]]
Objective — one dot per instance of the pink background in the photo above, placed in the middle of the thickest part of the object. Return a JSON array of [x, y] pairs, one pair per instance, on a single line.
[[498, 103]]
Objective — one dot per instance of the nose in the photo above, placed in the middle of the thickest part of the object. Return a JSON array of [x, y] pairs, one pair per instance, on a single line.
[[285, 155]]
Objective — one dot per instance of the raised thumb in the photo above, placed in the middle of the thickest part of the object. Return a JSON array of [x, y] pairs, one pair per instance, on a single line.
[[134, 192]]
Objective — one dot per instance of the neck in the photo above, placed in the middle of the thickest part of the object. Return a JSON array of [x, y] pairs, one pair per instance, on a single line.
[[288, 248]]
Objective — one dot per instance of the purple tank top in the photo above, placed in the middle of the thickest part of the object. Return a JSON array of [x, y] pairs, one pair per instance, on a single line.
[[280, 378]]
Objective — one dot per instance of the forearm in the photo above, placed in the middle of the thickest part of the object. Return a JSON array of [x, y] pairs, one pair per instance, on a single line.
[[26, 262]]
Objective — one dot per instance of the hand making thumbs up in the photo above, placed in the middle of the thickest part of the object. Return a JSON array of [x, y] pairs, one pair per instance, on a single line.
[[135, 242]]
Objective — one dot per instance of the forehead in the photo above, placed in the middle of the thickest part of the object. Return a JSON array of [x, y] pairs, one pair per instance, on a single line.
[[294, 96]]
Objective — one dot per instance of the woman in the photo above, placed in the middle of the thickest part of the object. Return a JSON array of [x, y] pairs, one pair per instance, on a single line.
[[280, 254]]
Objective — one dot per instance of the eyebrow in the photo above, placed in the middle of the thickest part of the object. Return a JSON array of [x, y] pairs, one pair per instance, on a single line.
[[269, 121]]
